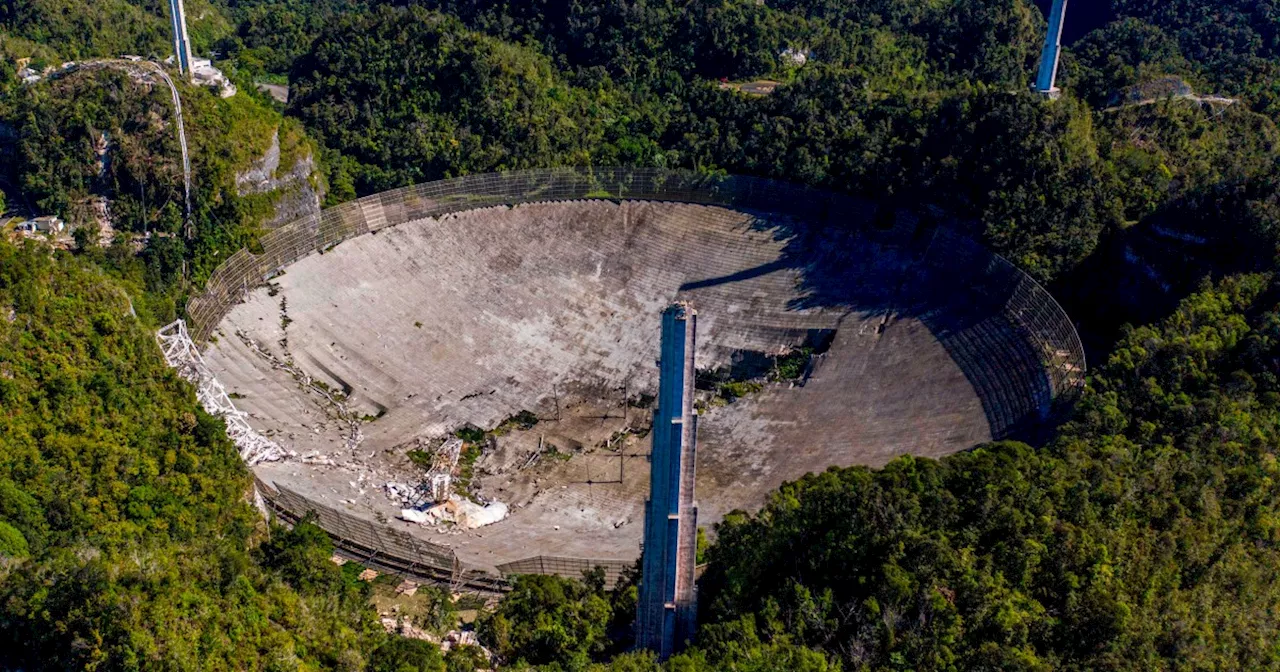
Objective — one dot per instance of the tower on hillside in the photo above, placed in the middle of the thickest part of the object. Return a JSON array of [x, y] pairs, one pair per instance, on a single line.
[[181, 43], [1046, 82], [667, 608]]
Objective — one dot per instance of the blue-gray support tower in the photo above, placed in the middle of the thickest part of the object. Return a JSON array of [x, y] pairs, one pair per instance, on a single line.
[[181, 43], [1046, 82], [666, 612]]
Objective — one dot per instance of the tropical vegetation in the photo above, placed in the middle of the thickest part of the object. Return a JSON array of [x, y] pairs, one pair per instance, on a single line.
[[1142, 535]]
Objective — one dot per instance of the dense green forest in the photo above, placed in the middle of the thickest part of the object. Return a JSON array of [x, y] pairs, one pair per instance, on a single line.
[[1143, 536], [101, 145], [126, 535]]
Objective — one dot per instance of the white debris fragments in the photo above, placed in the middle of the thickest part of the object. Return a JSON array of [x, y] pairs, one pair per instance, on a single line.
[[461, 512], [181, 353]]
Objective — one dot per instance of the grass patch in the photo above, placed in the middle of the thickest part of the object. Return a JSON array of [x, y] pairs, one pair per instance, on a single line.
[[553, 451], [421, 458], [794, 365], [739, 388], [724, 389], [466, 469], [791, 366], [470, 434], [524, 420]]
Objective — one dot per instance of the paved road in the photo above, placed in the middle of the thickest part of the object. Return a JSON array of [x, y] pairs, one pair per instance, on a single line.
[[278, 91]]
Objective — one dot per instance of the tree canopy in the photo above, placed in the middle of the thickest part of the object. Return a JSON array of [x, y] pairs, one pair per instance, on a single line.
[[1143, 535], [1103, 550], [124, 533]]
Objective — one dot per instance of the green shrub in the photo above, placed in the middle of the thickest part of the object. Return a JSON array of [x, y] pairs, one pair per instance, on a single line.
[[12, 543]]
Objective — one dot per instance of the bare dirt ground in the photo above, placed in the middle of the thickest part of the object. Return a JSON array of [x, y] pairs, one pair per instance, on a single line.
[[759, 87], [394, 340]]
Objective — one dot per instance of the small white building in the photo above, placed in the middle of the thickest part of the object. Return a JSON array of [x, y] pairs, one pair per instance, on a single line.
[[44, 224], [796, 57], [204, 74]]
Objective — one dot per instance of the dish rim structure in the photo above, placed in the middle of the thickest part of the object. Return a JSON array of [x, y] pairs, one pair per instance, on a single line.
[[1023, 301]]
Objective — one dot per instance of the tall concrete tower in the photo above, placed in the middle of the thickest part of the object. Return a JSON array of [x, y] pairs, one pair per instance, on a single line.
[[666, 611], [1046, 82], [181, 43]]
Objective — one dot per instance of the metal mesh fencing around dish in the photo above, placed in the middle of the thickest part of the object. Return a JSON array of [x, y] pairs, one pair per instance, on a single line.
[[1045, 339], [573, 568], [243, 271], [378, 545], [246, 269], [397, 552]]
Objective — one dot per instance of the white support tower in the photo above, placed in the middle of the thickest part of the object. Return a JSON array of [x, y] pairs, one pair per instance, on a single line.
[[181, 43], [181, 353], [1047, 80]]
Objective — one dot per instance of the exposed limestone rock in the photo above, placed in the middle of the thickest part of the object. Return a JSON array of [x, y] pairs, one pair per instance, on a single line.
[[294, 193]]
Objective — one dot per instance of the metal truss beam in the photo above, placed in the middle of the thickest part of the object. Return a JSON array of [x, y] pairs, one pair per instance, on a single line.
[[181, 353]]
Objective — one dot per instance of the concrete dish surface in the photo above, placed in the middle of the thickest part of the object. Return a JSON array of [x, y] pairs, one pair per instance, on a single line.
[[554, 308]]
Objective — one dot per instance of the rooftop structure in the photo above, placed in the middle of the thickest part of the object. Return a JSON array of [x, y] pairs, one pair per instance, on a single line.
[[204, 74], [45, 224], [667, 606]]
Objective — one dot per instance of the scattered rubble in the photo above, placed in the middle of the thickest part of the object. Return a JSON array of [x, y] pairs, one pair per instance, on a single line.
[[398, 626], [335, 403], [461, 512], [181, 353], [456, 638]]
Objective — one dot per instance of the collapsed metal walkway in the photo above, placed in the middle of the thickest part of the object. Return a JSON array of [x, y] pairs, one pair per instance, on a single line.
[[181, 353]]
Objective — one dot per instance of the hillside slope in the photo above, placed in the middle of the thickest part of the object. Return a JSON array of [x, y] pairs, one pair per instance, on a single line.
[[125, 536]]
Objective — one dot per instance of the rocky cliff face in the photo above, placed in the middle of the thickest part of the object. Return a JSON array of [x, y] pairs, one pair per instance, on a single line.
[[294, 193]]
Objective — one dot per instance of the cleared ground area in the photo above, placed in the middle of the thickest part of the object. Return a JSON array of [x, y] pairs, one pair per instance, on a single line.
[[554, 308]]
